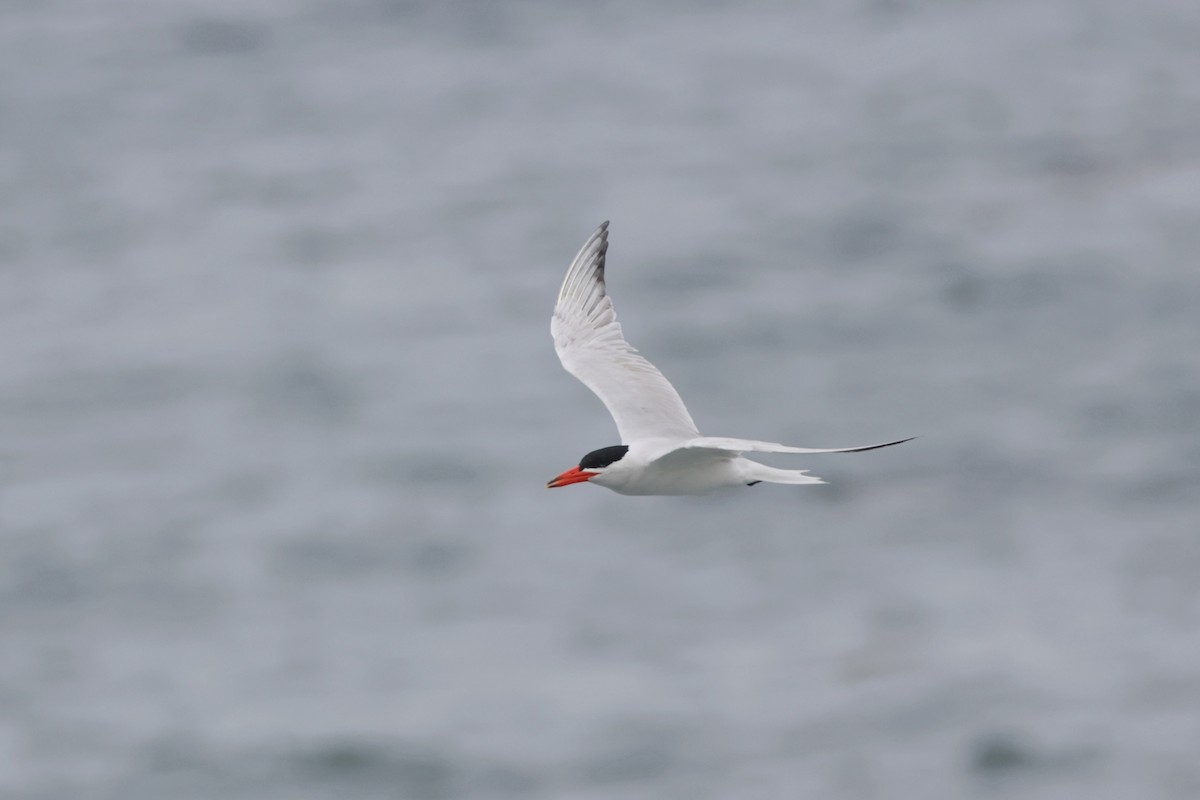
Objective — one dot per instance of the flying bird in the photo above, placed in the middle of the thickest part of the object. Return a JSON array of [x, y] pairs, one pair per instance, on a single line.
[[662, 451]]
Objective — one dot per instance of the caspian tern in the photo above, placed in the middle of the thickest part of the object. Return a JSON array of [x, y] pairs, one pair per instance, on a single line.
[[663, 452]]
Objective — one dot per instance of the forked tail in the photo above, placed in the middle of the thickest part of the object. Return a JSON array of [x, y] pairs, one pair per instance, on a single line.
[[756, 472]]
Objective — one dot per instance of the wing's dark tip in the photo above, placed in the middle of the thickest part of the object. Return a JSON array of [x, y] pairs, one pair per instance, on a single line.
[[602, 250], [878, 446]]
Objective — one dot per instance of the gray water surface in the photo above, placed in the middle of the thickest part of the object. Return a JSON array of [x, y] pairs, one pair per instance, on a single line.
[[278, 400]]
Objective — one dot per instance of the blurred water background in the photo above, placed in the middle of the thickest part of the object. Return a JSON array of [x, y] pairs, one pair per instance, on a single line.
[[278, 399]]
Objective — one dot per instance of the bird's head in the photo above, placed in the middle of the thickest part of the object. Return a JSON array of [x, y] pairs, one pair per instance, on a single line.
[[591, 465]]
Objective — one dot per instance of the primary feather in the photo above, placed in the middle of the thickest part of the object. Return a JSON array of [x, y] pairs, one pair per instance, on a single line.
[[590, 345], [725, 444]]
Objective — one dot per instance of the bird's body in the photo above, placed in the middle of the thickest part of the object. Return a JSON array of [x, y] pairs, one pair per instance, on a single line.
[[662, 453], [657, 466]]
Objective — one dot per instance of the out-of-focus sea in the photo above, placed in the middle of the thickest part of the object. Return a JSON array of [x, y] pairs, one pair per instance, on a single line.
[[278, 399]]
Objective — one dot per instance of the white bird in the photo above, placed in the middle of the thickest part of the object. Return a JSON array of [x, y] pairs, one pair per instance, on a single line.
[[663, 452]]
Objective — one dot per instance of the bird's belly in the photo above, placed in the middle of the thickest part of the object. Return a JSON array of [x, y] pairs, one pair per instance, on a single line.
[[698, 479]]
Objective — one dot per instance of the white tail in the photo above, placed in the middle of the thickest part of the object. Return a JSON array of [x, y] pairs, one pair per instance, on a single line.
[[755, 471]]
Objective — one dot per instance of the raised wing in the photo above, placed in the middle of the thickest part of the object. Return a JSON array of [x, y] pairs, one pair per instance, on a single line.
[[590, 345], [722, 444]]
